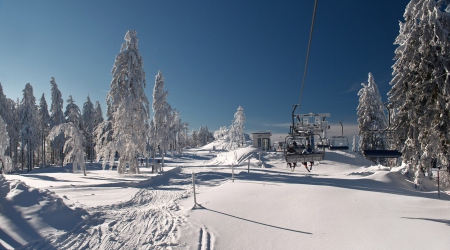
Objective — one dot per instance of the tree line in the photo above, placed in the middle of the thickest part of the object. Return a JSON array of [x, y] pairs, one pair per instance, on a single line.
[[34, 135]]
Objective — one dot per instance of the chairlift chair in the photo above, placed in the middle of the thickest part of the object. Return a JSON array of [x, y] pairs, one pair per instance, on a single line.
[[298, 156], [387, 135], [303, 133], [381, 153], [339, 142]]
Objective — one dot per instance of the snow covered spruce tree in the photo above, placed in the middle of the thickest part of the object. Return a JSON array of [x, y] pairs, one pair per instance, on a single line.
[[204, 136], [183, 135], [194, 138], [44, 118], [56, 118], [8, 111], [98, 115], [128, 109], [73, 113], [73, 147], [88, 122], [5, 160], [236, 133], [29, 123], [371, 117], [174, 130], [420, 91], [14, 132], [161, 116]]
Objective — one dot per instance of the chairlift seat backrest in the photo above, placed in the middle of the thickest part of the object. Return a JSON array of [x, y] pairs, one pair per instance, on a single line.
[[373, 153]]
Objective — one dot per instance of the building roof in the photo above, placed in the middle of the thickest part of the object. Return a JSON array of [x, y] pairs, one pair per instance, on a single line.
[[262, 133]]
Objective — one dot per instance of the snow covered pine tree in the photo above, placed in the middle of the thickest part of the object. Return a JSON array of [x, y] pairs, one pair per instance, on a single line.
[[88, 120], [44, 118], [128, 108], [420, 91], [371, 117], [5, 161], [73, 113], [56, 118], [161, 115], [29, 123], [8, 110], [237, 128]]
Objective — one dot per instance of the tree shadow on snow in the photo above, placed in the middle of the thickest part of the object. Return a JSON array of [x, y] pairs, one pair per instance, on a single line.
[[23, 228], [434, 220], [8, 240], [363, 184], [46, 178]]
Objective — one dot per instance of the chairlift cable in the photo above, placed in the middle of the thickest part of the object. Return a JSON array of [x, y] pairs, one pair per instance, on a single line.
[[307, 52]]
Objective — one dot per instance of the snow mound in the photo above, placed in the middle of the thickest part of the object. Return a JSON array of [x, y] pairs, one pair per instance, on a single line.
[[25, 211], [350, 158], [235, 157]]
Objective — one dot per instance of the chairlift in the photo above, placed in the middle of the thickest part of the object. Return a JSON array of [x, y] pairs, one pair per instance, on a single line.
[[299, 156], [381, 153], [387, 135], [339, 142], [305, 130], [303, 133]]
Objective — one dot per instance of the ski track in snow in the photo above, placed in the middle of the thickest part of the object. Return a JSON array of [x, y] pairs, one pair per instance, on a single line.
[[205, 239], [148, 221]]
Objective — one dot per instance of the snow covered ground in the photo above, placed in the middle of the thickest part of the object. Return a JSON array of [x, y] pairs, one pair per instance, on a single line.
[[344, 203]]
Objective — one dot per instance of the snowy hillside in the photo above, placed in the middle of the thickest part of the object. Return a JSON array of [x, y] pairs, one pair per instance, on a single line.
[[344, 203]]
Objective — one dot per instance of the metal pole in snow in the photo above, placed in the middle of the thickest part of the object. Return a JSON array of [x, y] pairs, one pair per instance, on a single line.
[[260, 159], [248, 166], [439, 190], [193, 185], [232, 172]]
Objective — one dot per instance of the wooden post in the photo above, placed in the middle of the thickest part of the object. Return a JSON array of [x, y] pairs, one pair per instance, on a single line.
[[193, 186]]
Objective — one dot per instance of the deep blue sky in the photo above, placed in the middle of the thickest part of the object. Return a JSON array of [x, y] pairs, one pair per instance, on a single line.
[[214, 55]]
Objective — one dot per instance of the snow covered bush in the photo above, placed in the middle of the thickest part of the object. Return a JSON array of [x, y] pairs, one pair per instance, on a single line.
[[222, 133]]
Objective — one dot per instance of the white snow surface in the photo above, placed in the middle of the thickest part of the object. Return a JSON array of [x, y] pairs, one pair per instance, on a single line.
[[344, 203]]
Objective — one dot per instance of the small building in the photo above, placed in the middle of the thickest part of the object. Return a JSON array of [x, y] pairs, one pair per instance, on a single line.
[[261, 140]]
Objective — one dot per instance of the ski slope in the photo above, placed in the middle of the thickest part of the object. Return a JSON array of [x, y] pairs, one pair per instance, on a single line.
[[344, 203]]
